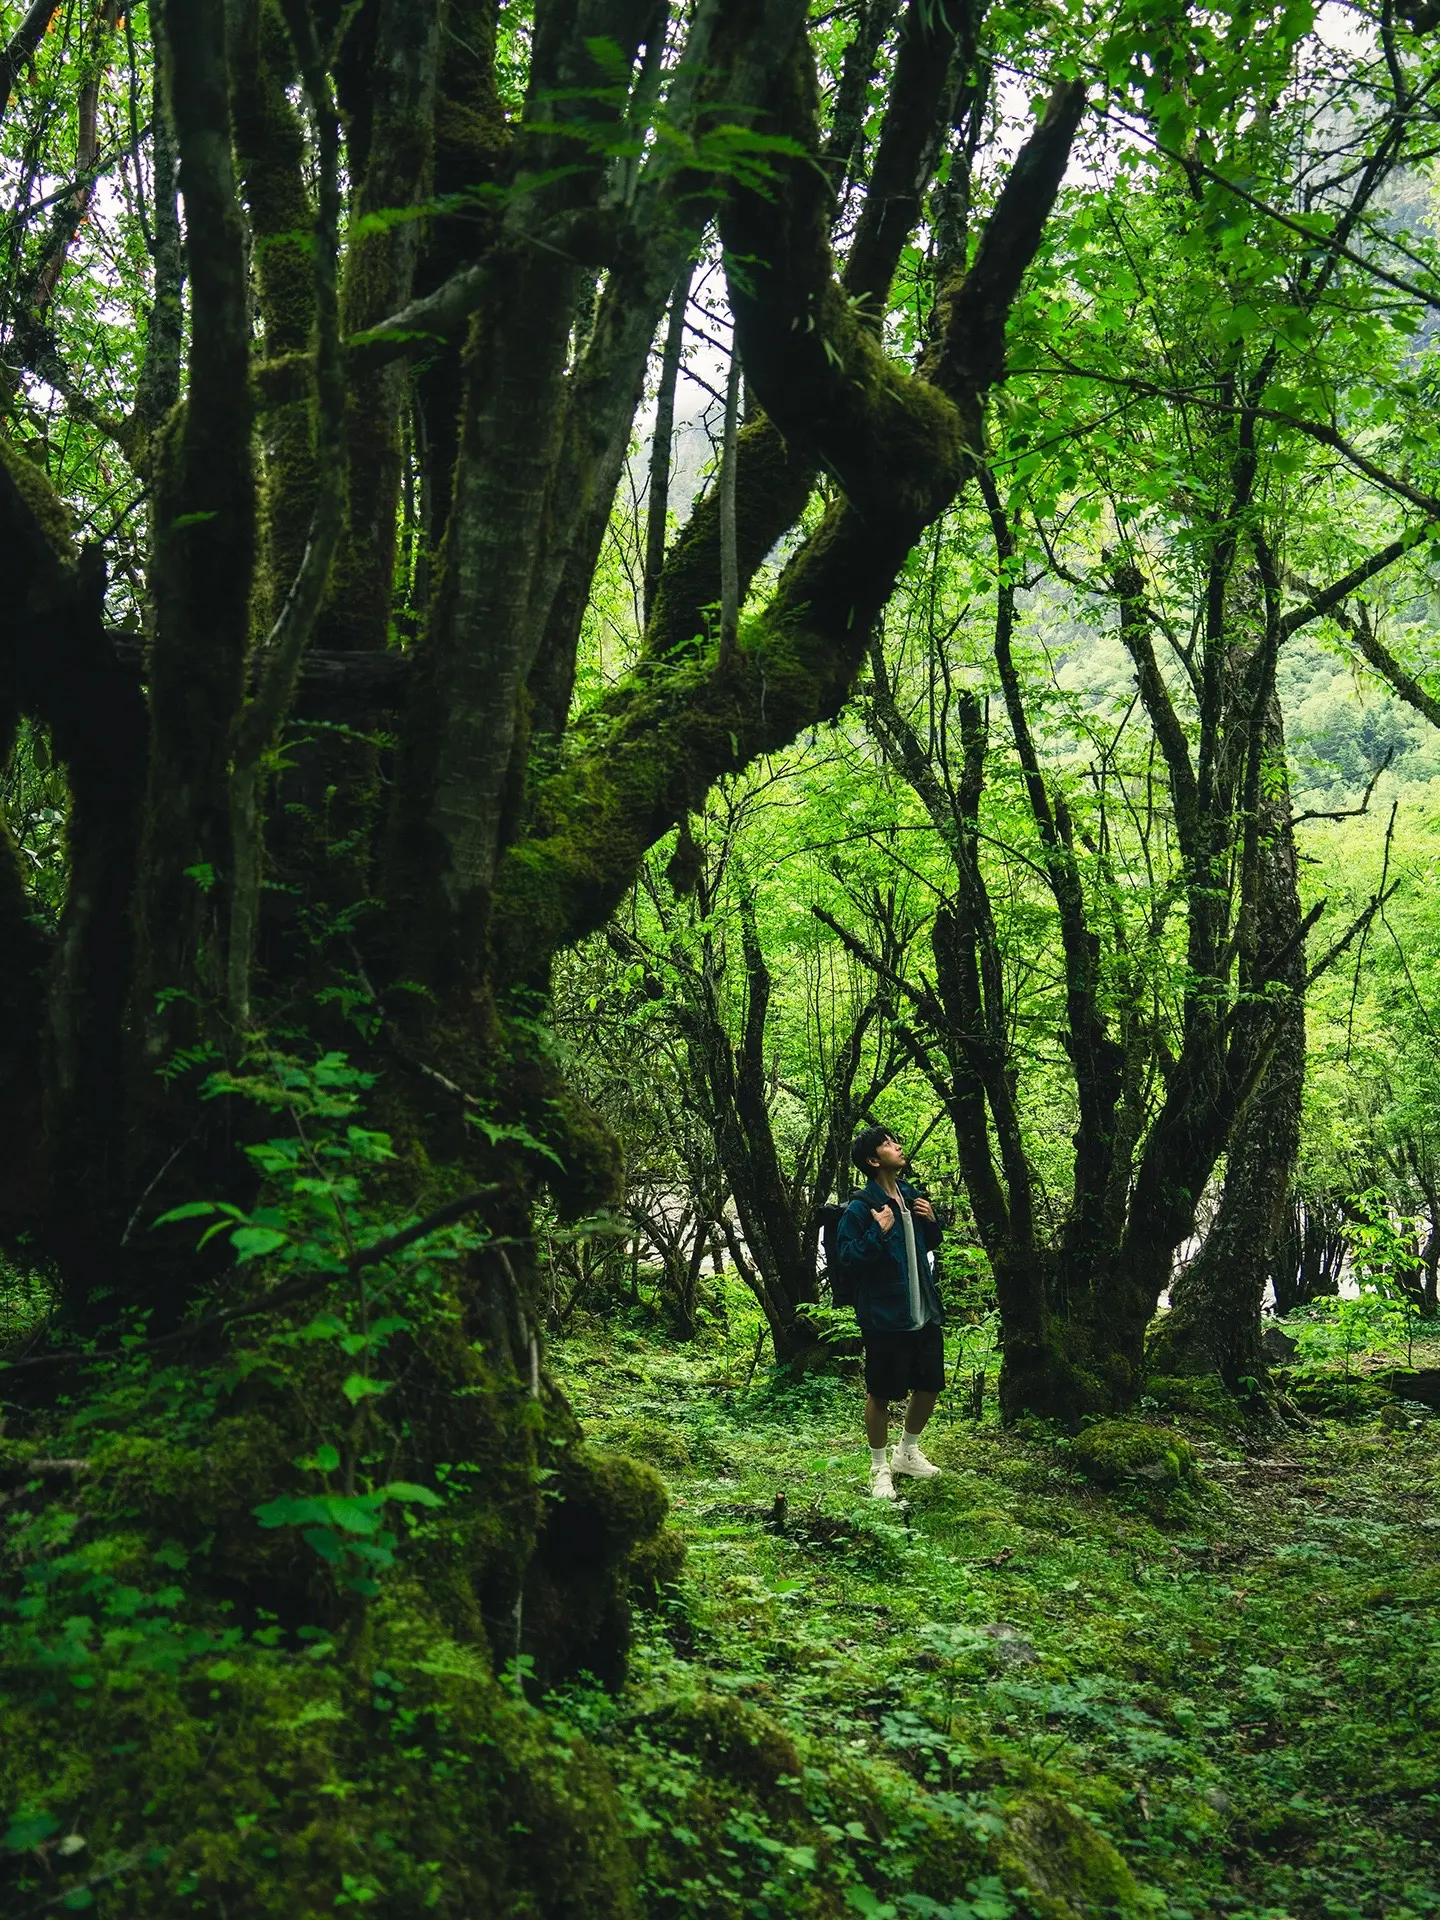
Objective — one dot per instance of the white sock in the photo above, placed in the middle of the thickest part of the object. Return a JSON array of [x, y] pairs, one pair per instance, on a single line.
[[909, 1441], [878, 1457]]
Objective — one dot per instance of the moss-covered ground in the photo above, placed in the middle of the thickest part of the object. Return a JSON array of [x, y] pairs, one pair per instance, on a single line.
[[1222, 1656]]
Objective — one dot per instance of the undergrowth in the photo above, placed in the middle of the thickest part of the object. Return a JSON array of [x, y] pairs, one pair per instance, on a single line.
[[1174, 1665], [1229, 1664]]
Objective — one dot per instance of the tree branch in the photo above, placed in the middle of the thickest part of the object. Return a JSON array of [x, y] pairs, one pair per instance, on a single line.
[[901, 448], [1372, 649], [917, 111], [1328, 599], [22, 46], [277, 667]]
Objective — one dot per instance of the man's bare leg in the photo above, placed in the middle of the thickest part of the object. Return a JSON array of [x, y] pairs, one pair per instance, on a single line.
[[918, 1412], [877, 1420]]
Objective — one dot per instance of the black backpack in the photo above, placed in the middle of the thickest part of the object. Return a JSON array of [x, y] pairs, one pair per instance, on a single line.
[[840, 1280]]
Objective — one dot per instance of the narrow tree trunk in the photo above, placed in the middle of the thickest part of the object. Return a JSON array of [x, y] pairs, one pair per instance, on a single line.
[[1214, 1321], [1430, 1254], [661, 448], [1309, 1252]]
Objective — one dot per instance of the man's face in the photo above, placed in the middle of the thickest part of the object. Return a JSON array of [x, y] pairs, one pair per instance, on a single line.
[[889, 1156]]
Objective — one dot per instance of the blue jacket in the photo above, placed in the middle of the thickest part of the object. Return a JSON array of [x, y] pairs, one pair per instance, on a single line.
[[877, 1260]]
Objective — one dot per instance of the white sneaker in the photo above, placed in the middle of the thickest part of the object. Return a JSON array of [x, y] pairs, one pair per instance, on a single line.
[[882, 1487], [912, 1461]]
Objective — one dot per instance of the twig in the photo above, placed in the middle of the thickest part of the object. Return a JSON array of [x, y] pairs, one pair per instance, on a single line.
[[755, 1359], [140, 1203], [1350, 813], [1362, 927], [112, 1872], [18, 1469], [445, 1216]]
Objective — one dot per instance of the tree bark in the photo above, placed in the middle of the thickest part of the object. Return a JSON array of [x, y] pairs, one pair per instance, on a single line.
[[401, 79], [1213, 1325], [204, 561], [661, 447]]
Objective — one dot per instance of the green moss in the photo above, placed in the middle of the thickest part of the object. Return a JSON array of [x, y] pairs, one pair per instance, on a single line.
[[600, 1507], [1112, 1451], [610, 1500], [1341, 1399], [196, 1698], [1201, 1398], [1144, 1464], [655, 1564], [272, 1782], [666, 1447], [728, 1737], [1066, 1867], [39, 498]]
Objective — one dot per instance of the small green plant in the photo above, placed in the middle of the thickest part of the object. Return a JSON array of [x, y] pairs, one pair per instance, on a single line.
[[313, 1234]]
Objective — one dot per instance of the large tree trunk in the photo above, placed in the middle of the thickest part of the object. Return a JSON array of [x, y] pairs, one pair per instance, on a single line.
[[488, 864]]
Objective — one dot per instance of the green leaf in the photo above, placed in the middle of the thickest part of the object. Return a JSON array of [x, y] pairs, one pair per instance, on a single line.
[[251, 1242], [192, 1210], [27, 1830], [324, 1326], [498, 1132], [862, 1900], [358, 1515], [610, 59], [358, 1387], [327, 1458], [408, 1491]]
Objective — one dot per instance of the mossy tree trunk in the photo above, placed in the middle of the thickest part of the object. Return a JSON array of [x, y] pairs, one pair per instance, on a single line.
[[1213, 1325], [485, 859]]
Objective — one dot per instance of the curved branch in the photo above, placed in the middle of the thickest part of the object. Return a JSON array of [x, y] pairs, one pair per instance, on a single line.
[[901, 447]]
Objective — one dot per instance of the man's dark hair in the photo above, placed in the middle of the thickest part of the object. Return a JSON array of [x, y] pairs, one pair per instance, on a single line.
[[864, 1147]]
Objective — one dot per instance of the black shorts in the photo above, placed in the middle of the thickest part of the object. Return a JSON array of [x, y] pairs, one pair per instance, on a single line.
[[901, 1363]]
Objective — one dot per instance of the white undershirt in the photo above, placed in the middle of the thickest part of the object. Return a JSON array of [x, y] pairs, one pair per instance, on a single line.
[[912, 1263]]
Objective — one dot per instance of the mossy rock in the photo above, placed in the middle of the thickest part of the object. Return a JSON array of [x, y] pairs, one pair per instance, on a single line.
[[659, 1446], [1067, 1868], [1201, 1398], [1340, 1399], [576, 1608], [655, 1564], [728, 1737], [1115, 1453]]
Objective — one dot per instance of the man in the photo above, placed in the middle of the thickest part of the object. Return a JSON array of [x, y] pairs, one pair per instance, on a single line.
[[886, 1236]]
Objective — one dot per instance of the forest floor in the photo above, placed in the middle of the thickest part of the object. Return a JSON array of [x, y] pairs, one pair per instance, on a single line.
[[1236, 1680]]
